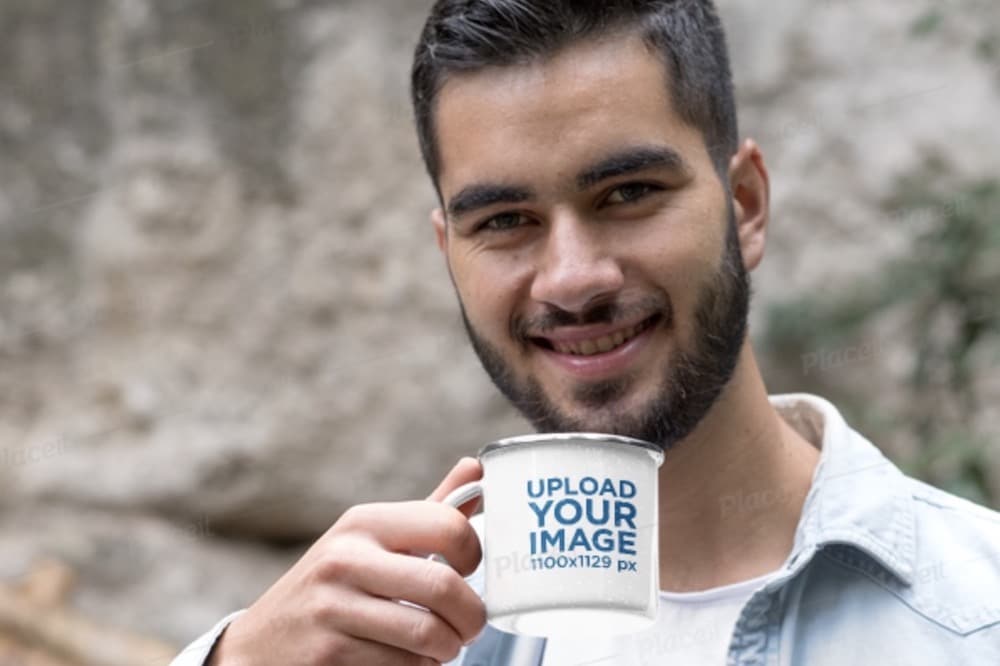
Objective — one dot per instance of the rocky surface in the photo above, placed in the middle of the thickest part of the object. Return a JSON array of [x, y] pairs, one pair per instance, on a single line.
[[223, 318]]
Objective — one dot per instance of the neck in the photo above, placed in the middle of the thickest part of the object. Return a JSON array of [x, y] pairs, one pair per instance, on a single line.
[[731, 493]]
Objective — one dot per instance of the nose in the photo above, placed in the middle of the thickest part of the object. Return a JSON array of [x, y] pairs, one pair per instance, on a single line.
[[577, 267]]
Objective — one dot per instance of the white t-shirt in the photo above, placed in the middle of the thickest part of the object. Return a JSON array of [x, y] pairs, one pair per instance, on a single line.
[[691, 629]]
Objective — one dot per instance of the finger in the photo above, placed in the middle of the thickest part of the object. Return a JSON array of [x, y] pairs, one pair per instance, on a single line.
[[465, 470], [418, 527], [361, 651], [431, 584], [391, 623]]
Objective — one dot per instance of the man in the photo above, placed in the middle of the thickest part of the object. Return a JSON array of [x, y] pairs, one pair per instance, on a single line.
[[598, 218]]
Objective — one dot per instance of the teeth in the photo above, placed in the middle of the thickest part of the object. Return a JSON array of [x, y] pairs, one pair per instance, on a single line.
[[605, 344], [599, 345]]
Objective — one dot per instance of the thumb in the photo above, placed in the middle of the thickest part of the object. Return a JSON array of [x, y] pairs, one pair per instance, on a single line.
[[465, 470]]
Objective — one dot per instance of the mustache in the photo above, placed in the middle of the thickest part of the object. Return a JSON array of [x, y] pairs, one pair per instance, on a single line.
[[609, 312]]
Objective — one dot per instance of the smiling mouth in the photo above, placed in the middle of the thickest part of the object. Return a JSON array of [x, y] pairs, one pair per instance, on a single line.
[[599, 345]]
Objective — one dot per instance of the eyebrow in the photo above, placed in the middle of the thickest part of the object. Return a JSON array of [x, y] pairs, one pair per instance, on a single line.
[[623, 162], [632, 160], [474, 197]]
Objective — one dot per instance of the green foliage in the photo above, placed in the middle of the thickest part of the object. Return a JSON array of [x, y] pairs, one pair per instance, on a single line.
[[947, 285], [988, 46], [954, 459], [926, 23]]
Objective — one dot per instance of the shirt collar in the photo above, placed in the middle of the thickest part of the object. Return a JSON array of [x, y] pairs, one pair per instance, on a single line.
[[858, 497]]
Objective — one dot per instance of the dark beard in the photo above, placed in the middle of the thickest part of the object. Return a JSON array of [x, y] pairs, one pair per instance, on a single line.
[[691, 384]]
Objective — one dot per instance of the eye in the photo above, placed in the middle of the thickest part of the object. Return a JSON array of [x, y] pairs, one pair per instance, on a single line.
[[502, 222], [629, 193]]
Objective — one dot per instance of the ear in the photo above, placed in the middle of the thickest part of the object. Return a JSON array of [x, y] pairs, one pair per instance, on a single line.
[[751, 190], [440, 228]]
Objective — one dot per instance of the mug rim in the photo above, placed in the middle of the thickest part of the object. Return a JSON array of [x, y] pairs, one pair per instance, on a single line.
[[538, 438]]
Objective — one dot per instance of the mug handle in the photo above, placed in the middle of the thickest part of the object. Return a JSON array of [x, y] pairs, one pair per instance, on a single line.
[[457, 498], [463, 494]]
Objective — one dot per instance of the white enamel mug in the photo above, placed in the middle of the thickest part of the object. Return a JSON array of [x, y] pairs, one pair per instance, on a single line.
[[570, 533]]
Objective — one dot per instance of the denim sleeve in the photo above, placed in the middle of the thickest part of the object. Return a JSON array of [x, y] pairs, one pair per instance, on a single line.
[[196, 654]]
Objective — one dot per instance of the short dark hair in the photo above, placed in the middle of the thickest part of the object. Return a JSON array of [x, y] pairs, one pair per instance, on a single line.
[[468, 35]]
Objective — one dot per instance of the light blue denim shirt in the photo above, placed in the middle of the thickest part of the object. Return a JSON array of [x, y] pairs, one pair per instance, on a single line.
[[884, 570]]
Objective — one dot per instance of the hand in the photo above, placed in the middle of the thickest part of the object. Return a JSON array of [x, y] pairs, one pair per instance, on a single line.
[[339, 603]]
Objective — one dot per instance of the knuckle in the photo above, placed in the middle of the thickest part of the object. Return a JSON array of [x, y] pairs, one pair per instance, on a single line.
[[450, 650], [425, 634], [442, 585], [354, 517], [457, 530], [479, 613], [340, 560], [334, 567], [473, 620], [474, 555], [325, 612], [331, 610], [333, 651]]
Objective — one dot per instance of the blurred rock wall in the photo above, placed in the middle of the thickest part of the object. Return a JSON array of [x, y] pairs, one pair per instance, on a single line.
[[223, 318]]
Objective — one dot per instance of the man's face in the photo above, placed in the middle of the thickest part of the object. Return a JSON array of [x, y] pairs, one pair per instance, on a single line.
[[590, 242]]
